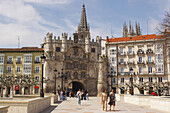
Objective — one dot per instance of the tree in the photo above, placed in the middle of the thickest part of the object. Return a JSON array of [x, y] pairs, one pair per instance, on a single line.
[[165, 24]]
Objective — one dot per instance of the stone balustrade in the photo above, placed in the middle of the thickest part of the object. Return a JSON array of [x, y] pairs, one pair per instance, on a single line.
[[153, 102], [4, 109]]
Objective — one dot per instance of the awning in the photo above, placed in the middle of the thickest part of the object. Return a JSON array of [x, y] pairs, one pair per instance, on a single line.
[[36, 87], [16, 87]]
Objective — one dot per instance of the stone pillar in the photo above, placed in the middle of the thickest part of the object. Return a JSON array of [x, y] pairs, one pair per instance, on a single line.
[[4, 92], [22, 91], [102, 77]]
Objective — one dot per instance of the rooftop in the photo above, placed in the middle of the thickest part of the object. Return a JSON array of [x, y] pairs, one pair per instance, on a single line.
[[21, 49], [136, 38]]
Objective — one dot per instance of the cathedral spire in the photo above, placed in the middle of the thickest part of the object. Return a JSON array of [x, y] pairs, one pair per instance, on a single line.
[[83, 22]]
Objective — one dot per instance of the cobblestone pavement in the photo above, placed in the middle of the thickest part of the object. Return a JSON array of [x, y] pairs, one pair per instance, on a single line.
[[94, 106]]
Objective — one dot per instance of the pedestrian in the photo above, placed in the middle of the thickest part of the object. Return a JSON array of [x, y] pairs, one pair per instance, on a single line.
[[112, 99], [70, 94], [79, 96], [65, 96], [87, 95], [82, 94], [104, 100], [61, 95]]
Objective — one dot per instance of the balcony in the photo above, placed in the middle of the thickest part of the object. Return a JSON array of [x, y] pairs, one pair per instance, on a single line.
[[141, 63], [37, 62], [37, 71], [149, 51], [122, 63], [18, 72], [131, 63], [140, 52], [131, 53], [18, 62], [123, 73], [9, 71], [150, 62], [9, 62], [122, 53]]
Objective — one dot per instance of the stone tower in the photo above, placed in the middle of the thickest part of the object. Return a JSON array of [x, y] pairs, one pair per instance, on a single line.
[[102, 77]]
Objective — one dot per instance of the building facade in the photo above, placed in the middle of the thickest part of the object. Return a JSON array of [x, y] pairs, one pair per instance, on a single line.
[[143, 59], [20, 70], [76, 61]]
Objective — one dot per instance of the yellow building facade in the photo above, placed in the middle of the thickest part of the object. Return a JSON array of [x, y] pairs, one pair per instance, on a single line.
[[20, 70]]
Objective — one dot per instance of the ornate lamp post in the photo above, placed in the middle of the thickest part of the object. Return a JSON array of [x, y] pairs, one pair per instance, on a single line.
[[131, 71], [55, 71], [110, 75], [43, 61]]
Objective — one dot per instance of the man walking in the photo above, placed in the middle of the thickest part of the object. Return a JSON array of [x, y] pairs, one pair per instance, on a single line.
[[79, 96]]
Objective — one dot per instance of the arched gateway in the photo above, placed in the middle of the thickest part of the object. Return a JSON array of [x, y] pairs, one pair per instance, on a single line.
[[75, 86]]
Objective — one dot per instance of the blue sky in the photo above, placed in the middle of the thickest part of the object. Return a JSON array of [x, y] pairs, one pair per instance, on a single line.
[[32, 19]]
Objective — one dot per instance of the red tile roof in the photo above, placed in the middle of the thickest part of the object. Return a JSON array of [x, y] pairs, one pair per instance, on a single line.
[[21, 49], [137, 38]]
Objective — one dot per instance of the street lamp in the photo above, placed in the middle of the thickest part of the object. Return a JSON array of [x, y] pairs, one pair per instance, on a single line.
[[55, 71], [43, 61], [131, 71], [110, 75], [62, 79]]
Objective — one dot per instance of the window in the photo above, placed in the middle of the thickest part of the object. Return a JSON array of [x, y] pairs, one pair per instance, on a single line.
[[37, 69], [83, 74], [121, 61], [121, 50], [159, 47], [159, 58], [141, 79], [37, 78], [140, 59], [159, 68], [122, 80], [113, 59], [140, 70], [18, 59], [37, 59], [130, 50], [57, 49], [113, 80], [112, 51], [27, 69], [149, 58], [122, 70], [27, 59], [1, 69], [1, 59], [160, 79], [150, 79], [149, 70], [130, 79], [9, 69], [130, 70], [93, 50], [10, 59], [18, 69]]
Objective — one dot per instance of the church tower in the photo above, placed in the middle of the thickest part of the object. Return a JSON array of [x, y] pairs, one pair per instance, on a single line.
[[83, 29]]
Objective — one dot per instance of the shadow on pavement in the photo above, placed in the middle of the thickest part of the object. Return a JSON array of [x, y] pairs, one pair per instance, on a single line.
[[52, 107]]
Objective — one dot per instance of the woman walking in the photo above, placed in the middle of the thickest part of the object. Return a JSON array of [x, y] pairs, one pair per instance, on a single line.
[[79, 96], [104, 100], [112, 99]]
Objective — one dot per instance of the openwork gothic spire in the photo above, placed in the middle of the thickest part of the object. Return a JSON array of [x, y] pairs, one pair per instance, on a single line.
[[83, 22]]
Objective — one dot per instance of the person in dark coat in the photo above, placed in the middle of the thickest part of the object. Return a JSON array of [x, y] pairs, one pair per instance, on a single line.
[[112, 99]]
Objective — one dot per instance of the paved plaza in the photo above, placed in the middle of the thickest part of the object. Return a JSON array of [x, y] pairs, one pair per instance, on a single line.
[[94, 106]]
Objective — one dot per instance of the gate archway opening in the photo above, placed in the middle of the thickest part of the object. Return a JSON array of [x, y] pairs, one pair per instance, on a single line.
[[75, 86]]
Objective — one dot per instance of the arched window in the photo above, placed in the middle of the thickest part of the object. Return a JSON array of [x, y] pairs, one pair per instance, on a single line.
[[75, 75]]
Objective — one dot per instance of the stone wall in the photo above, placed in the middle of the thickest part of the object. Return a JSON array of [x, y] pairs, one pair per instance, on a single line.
[[33, 105], [4, 109]]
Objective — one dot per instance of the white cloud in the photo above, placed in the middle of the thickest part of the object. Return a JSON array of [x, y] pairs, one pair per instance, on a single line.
[[27, 24]]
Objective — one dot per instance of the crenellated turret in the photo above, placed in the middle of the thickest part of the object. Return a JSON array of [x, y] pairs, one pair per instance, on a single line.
[[87, 44], [48, 46], [98, 41], [64, 42]]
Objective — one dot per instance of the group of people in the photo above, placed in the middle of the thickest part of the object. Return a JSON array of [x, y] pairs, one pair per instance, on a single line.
[[108, 98], [82, 95], [62, 95]]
